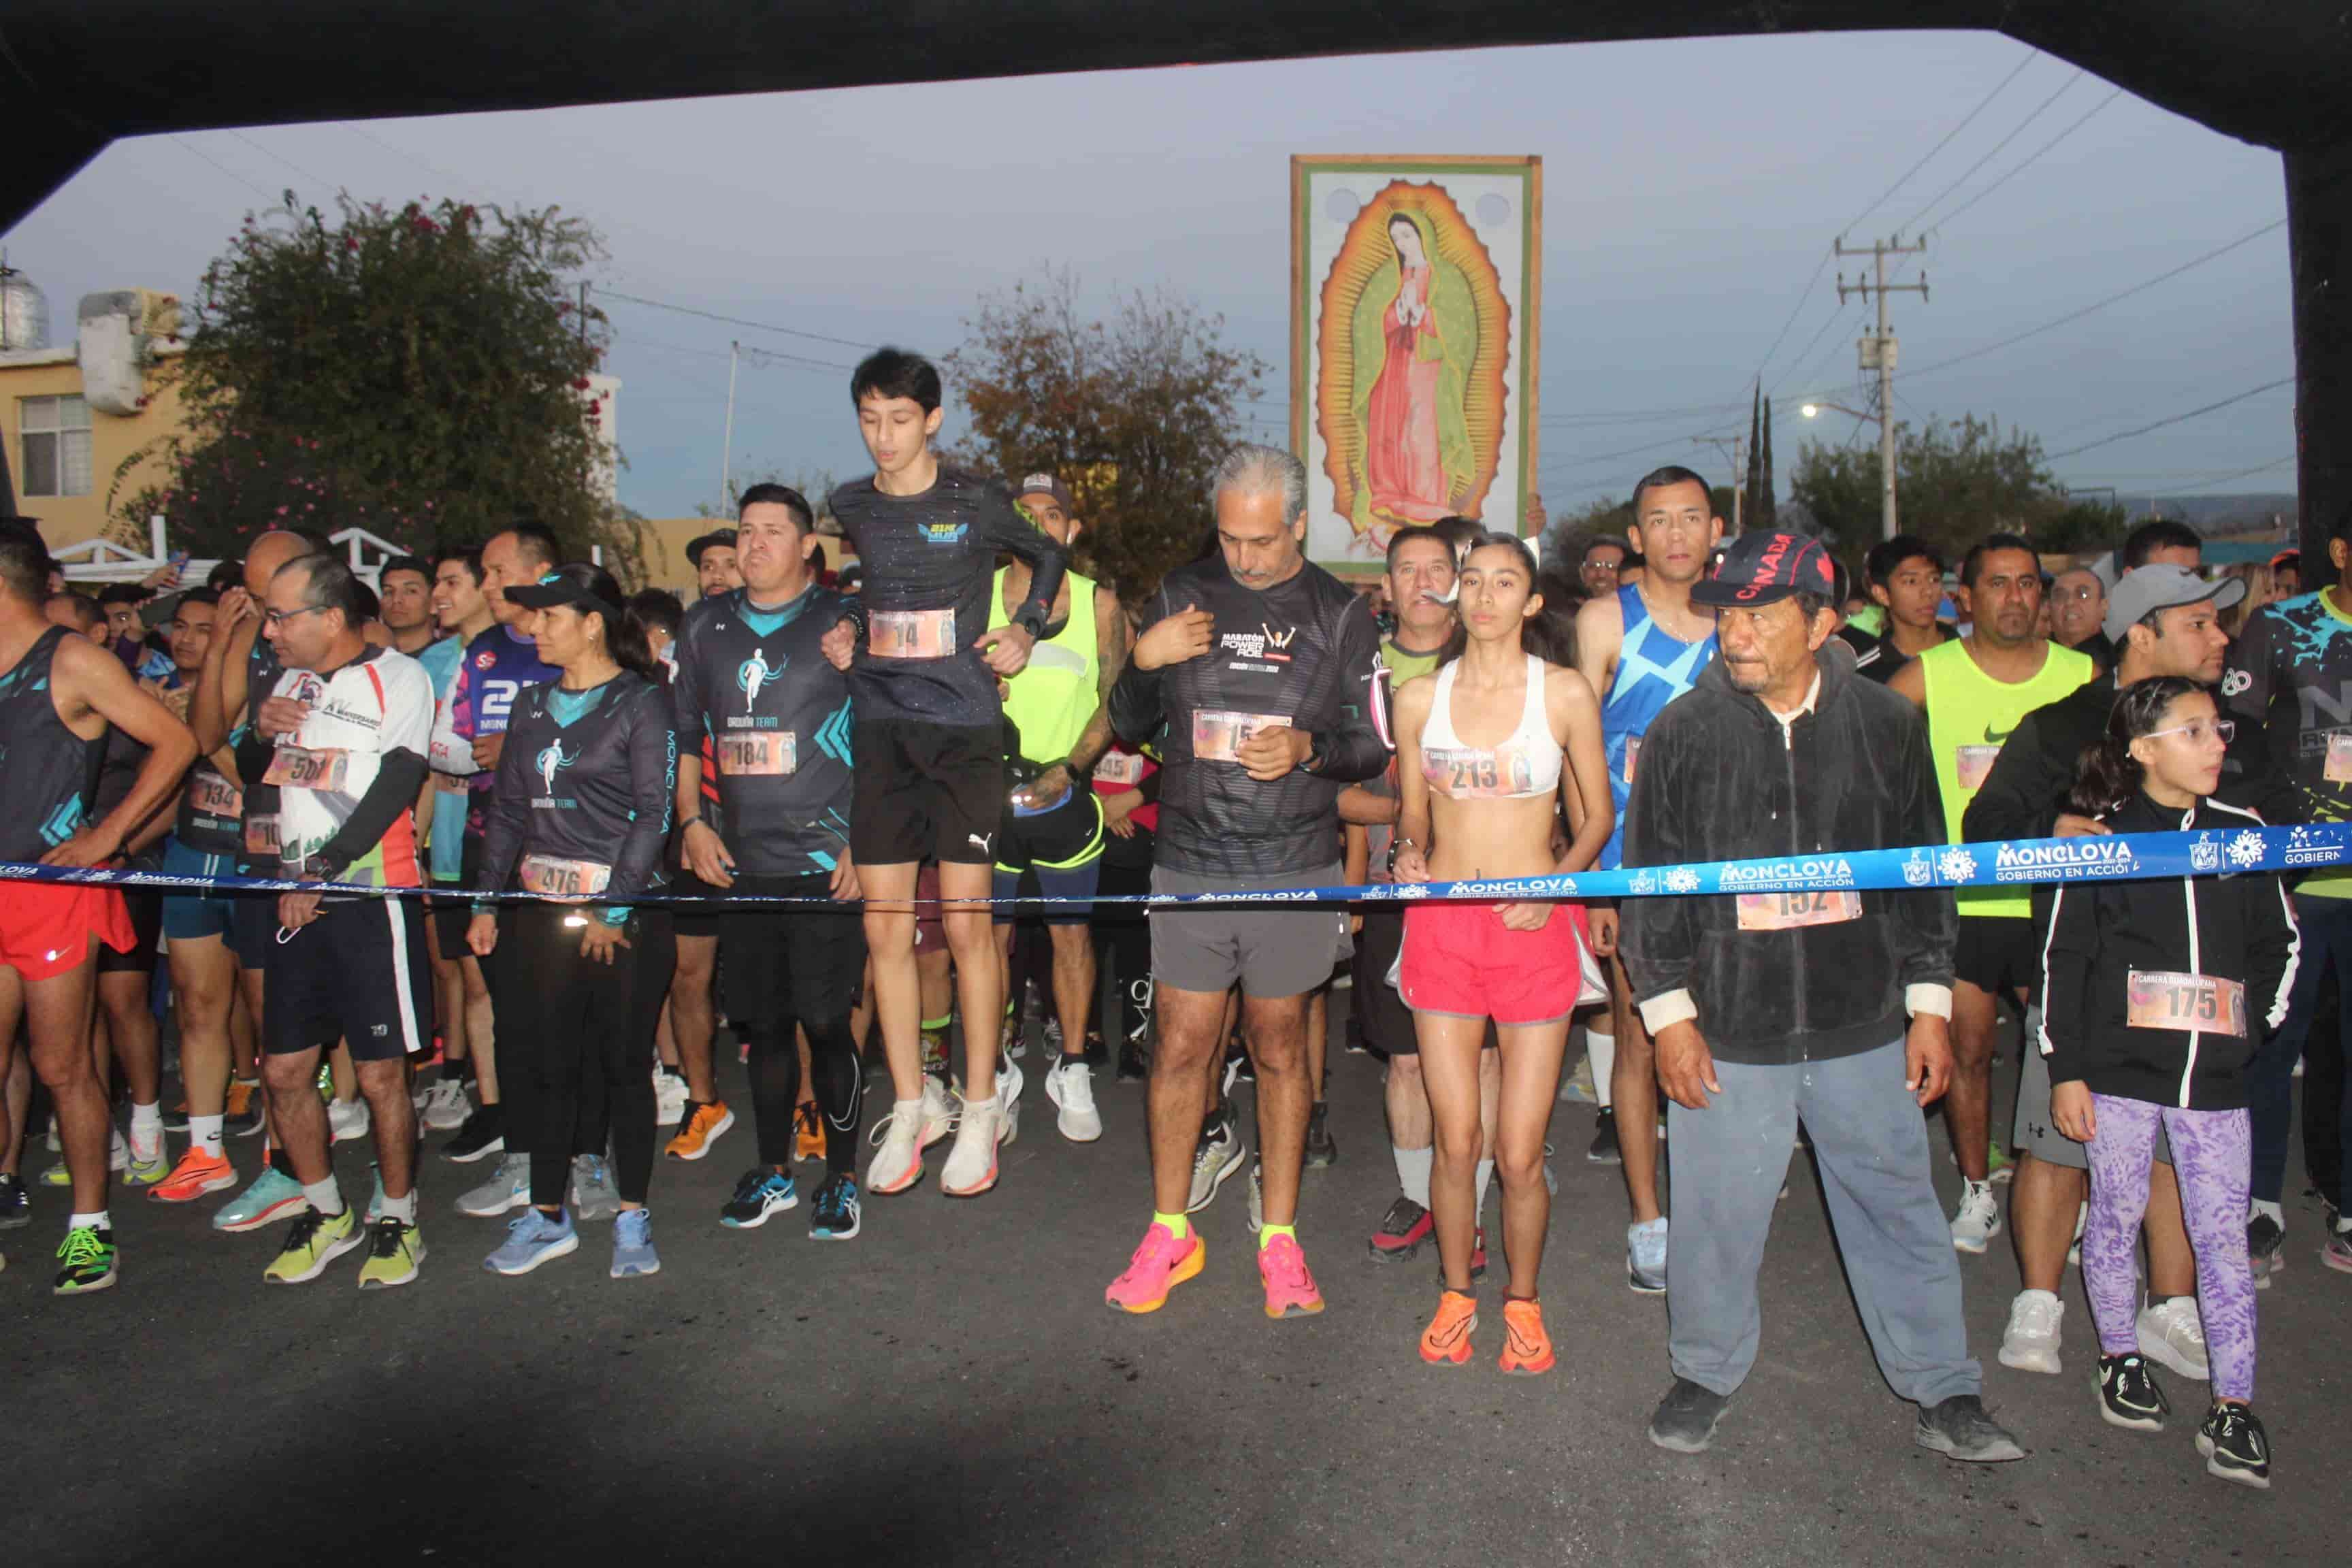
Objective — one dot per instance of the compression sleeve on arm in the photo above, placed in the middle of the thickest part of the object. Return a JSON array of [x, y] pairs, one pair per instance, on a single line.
[[399, 776], [652, 784], [1355, 747], [1002, 525], [1136, 711]]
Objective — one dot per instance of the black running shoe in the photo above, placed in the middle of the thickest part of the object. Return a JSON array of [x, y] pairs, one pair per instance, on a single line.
[[1238, 1064], [2235, 1447], [1685, 1418], [1132, 1067], [15, 1207], [834, 1215], [1321, 1150], [2128, 1396], [483, 1133], [1604, 1150], [1958, 1428], [2265, 1248]]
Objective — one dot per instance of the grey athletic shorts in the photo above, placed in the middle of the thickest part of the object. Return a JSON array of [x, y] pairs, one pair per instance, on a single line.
[[1273, 951], [2034, 1132]]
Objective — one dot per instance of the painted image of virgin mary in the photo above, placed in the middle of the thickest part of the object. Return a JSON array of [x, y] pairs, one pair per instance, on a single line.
[[1416, 449]]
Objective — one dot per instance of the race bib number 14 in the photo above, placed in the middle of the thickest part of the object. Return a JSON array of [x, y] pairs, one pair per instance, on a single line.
[[910, 633]]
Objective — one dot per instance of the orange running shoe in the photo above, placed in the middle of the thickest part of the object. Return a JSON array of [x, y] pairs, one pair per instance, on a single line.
[[1526, 1349], [1446, 1340], [196, 1175], [808, 1136], [701, 1128]]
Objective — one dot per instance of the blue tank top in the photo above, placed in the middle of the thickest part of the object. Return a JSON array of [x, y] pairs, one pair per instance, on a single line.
[[1653, 667]]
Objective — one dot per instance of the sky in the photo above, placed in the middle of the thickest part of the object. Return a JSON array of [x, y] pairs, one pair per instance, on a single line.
[[1692, 191]]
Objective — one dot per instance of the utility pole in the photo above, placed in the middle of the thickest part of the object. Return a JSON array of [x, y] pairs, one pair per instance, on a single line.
[[1878, 352]]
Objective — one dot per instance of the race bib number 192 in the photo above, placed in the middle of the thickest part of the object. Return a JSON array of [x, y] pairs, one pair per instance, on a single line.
[[1786, 911]]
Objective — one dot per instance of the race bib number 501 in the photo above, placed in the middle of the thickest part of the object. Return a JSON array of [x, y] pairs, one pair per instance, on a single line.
[[292, 767]]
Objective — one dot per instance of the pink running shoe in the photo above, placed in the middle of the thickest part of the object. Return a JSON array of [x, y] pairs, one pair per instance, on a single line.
[[1290, 1290], [1159, 1266]]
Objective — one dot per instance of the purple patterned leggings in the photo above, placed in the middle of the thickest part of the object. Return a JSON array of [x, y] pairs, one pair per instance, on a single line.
[[2212, 1155]]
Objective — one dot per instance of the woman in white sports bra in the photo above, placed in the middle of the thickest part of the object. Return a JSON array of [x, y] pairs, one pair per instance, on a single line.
[[1481, 744]]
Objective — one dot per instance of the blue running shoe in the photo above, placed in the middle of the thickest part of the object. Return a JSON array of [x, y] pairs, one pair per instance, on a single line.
[[835, 1213], [759, 1192], [533, 1238], [632, 1245], [274, 1195], [15, 1209]]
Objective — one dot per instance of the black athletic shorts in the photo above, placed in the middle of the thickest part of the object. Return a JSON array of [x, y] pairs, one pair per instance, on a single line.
[[357, 972], [446, 916], [1377, 1015], [253, 928], [146, 906], [801, 962], [1055, 854], [690, 919], [1998, 953], [925, 790]]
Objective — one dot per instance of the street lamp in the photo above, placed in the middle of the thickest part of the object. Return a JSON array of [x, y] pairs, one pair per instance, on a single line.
[[1885, 457]]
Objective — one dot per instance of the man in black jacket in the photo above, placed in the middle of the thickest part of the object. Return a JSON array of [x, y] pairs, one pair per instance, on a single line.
[[1779, 751], [2161, 620]]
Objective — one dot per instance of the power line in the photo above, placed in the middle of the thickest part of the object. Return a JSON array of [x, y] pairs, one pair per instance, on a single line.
[[735, 320], [191, 148], [398, 151], [2022, 165], [2063, 87], [2174, 419], [2240, 474], [2077, 315], [1966, 121], [271, 152]]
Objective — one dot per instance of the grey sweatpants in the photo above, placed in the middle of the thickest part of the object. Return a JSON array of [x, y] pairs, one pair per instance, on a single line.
[[1728, 1163]]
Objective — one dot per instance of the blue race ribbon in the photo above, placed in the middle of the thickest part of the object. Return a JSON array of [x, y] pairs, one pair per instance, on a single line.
[[2125, 857]]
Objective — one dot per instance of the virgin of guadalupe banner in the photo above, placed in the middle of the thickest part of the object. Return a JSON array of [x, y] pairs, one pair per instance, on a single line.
[[1416, 293]]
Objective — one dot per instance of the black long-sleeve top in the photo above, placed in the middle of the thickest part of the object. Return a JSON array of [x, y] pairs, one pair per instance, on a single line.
[[592, 787], [1304, 652]]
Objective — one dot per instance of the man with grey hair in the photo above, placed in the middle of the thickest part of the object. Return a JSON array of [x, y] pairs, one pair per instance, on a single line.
[[1256, 674]]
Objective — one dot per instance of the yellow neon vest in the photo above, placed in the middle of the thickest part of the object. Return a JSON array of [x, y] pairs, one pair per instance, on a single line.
[[1054, 695], [1969, 715]]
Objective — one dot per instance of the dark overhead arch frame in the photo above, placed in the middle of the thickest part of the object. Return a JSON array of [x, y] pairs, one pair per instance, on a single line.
[[77, 74]]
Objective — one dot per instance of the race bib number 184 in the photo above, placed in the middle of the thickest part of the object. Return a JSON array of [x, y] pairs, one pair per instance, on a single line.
[[770, 752]]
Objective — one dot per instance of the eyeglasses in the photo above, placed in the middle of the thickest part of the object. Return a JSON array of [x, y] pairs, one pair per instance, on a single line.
[[2198, 729], [280, 618]]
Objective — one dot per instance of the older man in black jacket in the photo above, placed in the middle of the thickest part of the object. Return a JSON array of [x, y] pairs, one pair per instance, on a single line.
[[1771, 1008]]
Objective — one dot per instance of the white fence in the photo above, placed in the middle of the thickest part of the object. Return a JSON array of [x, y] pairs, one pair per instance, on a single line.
[[103, 561]]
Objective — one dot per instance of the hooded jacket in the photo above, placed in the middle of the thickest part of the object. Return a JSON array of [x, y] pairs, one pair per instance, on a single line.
[[1724, 778], [2095, 936]]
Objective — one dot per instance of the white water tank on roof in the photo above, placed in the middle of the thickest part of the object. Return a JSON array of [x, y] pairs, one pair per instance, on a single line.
[[24, 312], [112, 337]]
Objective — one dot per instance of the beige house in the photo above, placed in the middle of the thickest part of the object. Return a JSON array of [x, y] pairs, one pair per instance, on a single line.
[[73, 413]]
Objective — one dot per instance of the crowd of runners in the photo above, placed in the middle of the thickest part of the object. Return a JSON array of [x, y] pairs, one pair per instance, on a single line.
[[861, 820]]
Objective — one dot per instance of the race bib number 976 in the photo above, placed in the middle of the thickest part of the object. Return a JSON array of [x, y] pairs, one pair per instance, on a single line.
[[557, 878]]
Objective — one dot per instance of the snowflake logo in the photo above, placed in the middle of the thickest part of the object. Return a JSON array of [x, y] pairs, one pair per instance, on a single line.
[[1682, 880], [2246, 848], [1956, 865]]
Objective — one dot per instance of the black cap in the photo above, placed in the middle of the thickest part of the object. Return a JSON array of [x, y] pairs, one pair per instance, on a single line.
[[1764, 567], [696, 546], [582, 585]]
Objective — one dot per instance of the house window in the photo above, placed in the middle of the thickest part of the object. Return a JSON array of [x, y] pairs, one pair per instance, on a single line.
[[54, 435]]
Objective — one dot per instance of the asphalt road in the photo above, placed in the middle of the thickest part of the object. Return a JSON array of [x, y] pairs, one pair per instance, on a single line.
[[949, 1388]]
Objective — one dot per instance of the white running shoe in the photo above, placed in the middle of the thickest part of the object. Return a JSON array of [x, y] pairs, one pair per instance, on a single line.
[[1009, 1084], [446, 1106], [347, 1118], [669, 1097], [938, 1115], [2030, 1342], [2172, 1335], [971, 1169], [1979, 1219], [2074, 1247], [899, 1163], [507, 1188], [1071, 1088]]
